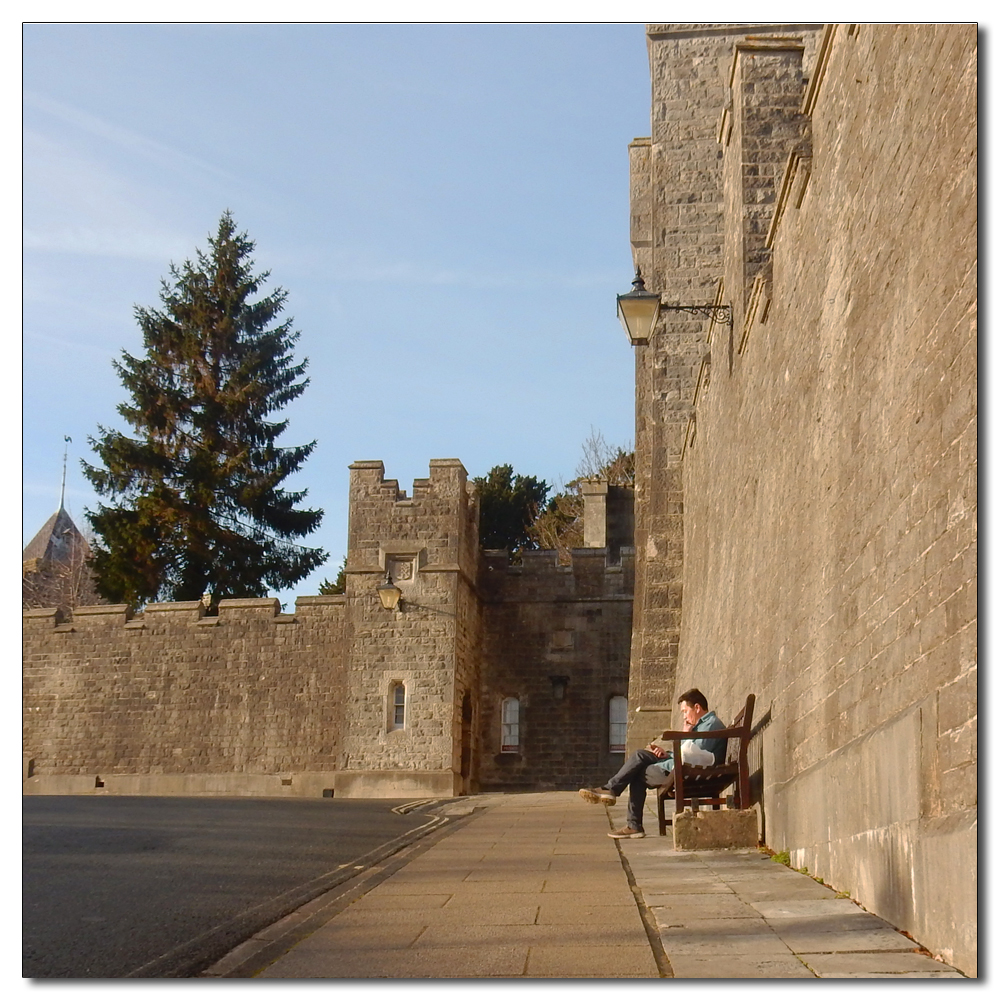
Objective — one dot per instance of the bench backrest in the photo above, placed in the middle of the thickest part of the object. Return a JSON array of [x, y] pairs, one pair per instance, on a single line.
[[744, 721]]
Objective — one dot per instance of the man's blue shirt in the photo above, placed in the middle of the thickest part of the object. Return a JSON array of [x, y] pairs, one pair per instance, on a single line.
[[717, 748]]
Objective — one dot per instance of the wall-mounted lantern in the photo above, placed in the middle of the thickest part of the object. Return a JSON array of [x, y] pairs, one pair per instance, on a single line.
[[639, 310], [388, 593], [559, 685]]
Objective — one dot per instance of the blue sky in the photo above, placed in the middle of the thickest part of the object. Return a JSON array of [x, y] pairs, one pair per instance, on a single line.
[[446, 204]]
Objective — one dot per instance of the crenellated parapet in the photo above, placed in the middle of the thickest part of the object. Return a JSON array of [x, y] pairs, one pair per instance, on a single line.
[[540, 576]]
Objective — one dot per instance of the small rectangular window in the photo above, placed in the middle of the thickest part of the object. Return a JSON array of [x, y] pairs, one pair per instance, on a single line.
[[398, 708], [617, 723], [510, 735]]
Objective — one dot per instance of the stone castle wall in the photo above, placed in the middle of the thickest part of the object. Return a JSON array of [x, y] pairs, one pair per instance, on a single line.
[[829, 459], [260, 703], [556, 639], [249, 702]]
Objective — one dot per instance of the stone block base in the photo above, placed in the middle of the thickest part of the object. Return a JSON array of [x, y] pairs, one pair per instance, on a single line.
[[306, 784], [715, 829], [397, 784]]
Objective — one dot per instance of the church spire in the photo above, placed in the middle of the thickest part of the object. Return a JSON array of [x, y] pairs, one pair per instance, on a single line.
[[62, 493]]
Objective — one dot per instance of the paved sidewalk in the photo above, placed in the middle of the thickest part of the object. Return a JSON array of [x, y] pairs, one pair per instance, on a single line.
[[741, 915], [532, 887]]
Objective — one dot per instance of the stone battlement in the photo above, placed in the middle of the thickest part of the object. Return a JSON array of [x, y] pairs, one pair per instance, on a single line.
[[168, 613], [540, 576]]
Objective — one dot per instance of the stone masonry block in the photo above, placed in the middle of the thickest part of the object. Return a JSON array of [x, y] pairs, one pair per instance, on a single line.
[[715, 829]]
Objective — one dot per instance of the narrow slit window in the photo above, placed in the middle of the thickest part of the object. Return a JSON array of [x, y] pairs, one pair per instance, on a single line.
[[617, 723], [510, 731], [398, 706]]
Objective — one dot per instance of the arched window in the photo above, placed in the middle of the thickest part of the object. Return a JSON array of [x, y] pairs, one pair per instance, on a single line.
[[617, 723], [510, 734], [397, 707]]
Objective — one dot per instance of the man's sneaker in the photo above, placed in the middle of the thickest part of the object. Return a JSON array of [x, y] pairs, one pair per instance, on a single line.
[[598, 796], [627, 833]]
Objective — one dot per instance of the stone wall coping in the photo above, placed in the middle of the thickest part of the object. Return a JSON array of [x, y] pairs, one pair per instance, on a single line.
[[775, 44], [819, 70], [40, 612], [249, 602], [172, 607], [797, 169], [702, 30], [101, 609], [598, 599]]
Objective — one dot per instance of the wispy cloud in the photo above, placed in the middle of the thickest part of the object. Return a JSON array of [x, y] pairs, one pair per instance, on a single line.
[[343, 265], [108, 241], [133, 142]]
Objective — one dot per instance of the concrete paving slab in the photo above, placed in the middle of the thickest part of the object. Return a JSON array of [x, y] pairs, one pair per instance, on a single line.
[[784, 893], [786, 908], [378, 901], [592, 962], [432, 877], [874, 939], [687, 887], [715, 925], [827, 923], [881, 963], [486, 884], [894, 975], [460, 910], [622, 897], [739, 967], [595, 883], [420, 888], [606, 915], [696, 906], [488, 961], [549, 935], [684, 942]]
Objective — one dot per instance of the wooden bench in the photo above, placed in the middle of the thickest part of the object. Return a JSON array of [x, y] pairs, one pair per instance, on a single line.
[[694, 786]]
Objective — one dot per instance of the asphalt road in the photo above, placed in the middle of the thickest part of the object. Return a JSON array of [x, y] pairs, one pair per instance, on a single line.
[[118, 884]]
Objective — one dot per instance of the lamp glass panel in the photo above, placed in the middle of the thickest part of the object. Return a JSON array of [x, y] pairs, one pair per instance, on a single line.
[[637, 314]]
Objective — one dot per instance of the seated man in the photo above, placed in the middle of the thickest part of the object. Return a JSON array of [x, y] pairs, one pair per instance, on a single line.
[[652, 765]]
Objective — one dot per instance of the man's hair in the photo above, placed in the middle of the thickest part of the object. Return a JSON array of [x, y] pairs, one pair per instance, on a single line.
[[694, 697]]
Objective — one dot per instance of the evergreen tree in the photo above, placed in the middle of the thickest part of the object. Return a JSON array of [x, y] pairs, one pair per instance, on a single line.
[[195, 498], [339, 585], [508, 506]]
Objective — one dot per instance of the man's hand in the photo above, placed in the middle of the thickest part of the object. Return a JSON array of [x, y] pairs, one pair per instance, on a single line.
[[658, 752]]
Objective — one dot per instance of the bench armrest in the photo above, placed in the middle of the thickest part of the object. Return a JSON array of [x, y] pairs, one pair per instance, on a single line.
[[709, 734]]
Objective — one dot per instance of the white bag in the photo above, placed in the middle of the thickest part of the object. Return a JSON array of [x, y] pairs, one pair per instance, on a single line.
[[691, 753]]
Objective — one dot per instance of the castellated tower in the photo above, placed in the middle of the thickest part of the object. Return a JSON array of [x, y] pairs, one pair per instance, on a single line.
[[412, 673], [691, 208]]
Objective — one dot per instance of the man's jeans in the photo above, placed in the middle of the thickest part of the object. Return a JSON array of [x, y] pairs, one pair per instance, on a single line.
[[633, 776]]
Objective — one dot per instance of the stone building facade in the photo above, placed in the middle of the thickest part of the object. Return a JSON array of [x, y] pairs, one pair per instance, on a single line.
[[806, 476], [343, 697], [804, 517]]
